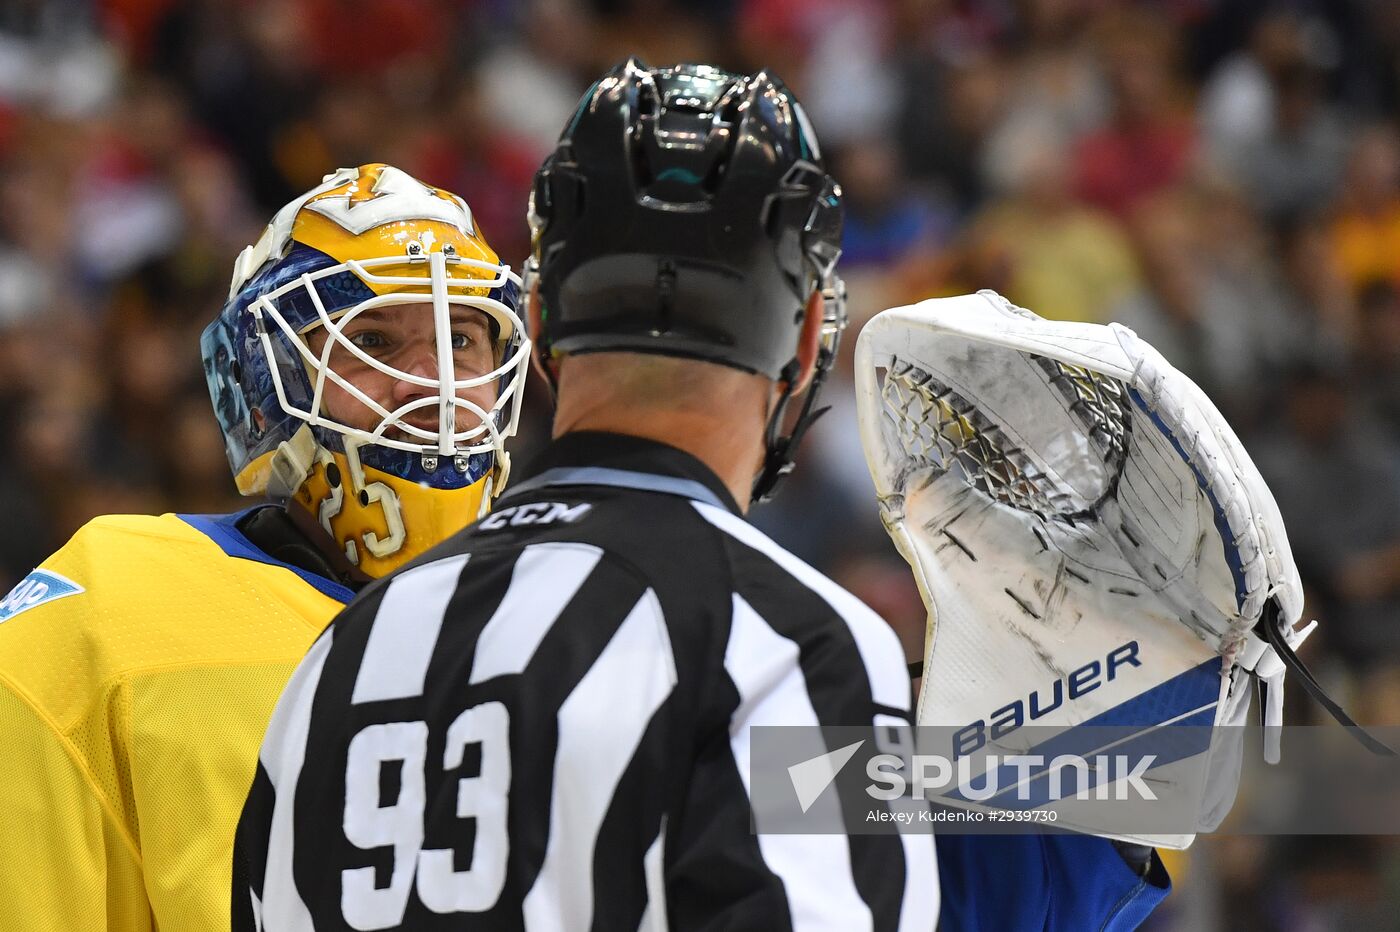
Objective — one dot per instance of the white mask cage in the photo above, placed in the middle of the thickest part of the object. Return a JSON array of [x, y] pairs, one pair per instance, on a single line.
[[446, 291]]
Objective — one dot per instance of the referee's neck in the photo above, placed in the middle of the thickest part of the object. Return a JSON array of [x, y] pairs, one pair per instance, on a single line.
[[714, 413]]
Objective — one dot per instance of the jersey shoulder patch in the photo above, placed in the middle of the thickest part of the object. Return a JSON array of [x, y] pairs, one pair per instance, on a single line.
[[38, 587]]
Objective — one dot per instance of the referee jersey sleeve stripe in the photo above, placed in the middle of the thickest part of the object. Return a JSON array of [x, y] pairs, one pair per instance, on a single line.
[[283, 753], [545, 579], [815, 869], [632, 677], [879, 646], [250, 854], [654, 868], [918, 911], [405, 632]]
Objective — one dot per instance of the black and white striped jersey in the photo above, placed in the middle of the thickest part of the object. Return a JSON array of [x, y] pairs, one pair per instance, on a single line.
[[543, 724]]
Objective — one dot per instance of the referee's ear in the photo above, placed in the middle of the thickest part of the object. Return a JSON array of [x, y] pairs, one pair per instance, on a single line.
[[809, 341]]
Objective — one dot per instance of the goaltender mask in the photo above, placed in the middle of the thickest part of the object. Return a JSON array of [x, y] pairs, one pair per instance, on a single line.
[[366, 371]]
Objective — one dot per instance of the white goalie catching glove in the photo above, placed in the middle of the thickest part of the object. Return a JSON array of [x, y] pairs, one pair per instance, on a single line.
[[1092, 542]]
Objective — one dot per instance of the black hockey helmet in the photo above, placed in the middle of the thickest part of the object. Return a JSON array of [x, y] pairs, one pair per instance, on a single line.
[[686, 211]]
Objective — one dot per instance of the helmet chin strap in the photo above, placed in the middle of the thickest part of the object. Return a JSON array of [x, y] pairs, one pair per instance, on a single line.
[[780, 452]]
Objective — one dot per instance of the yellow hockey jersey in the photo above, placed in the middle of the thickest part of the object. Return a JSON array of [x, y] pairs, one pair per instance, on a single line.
[[138, 668]]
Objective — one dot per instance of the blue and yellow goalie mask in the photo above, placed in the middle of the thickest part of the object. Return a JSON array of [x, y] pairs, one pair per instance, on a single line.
[[369, 363]]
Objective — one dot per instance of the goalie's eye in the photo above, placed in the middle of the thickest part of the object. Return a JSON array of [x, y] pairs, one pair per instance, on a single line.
[[369, 340]]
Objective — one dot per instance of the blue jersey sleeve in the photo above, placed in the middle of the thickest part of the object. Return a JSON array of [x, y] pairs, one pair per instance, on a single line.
[[1011, 883]]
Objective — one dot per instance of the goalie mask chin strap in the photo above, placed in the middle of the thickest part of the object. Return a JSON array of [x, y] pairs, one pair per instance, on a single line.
[[1273, 633]]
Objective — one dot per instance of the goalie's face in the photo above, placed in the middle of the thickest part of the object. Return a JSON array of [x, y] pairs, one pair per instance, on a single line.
[[381, 503], [375, 359], [403, 341]]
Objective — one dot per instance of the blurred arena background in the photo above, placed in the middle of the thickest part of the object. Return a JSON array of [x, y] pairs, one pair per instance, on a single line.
[[1221, 175]]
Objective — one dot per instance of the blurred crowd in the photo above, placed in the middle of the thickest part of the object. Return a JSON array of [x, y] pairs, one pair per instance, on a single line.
[[1221, 175]]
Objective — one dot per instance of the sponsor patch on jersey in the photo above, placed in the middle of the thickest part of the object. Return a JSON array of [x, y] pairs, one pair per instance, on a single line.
[[37, 588]]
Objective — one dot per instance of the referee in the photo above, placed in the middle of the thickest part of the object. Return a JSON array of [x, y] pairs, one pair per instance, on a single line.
[[543, 724]]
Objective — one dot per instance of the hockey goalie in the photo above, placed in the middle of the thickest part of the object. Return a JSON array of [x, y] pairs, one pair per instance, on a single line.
[[1092, 542]]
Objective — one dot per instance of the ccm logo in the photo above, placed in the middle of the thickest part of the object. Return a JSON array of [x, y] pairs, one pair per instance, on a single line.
[[534, 513], [1009, 717]]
